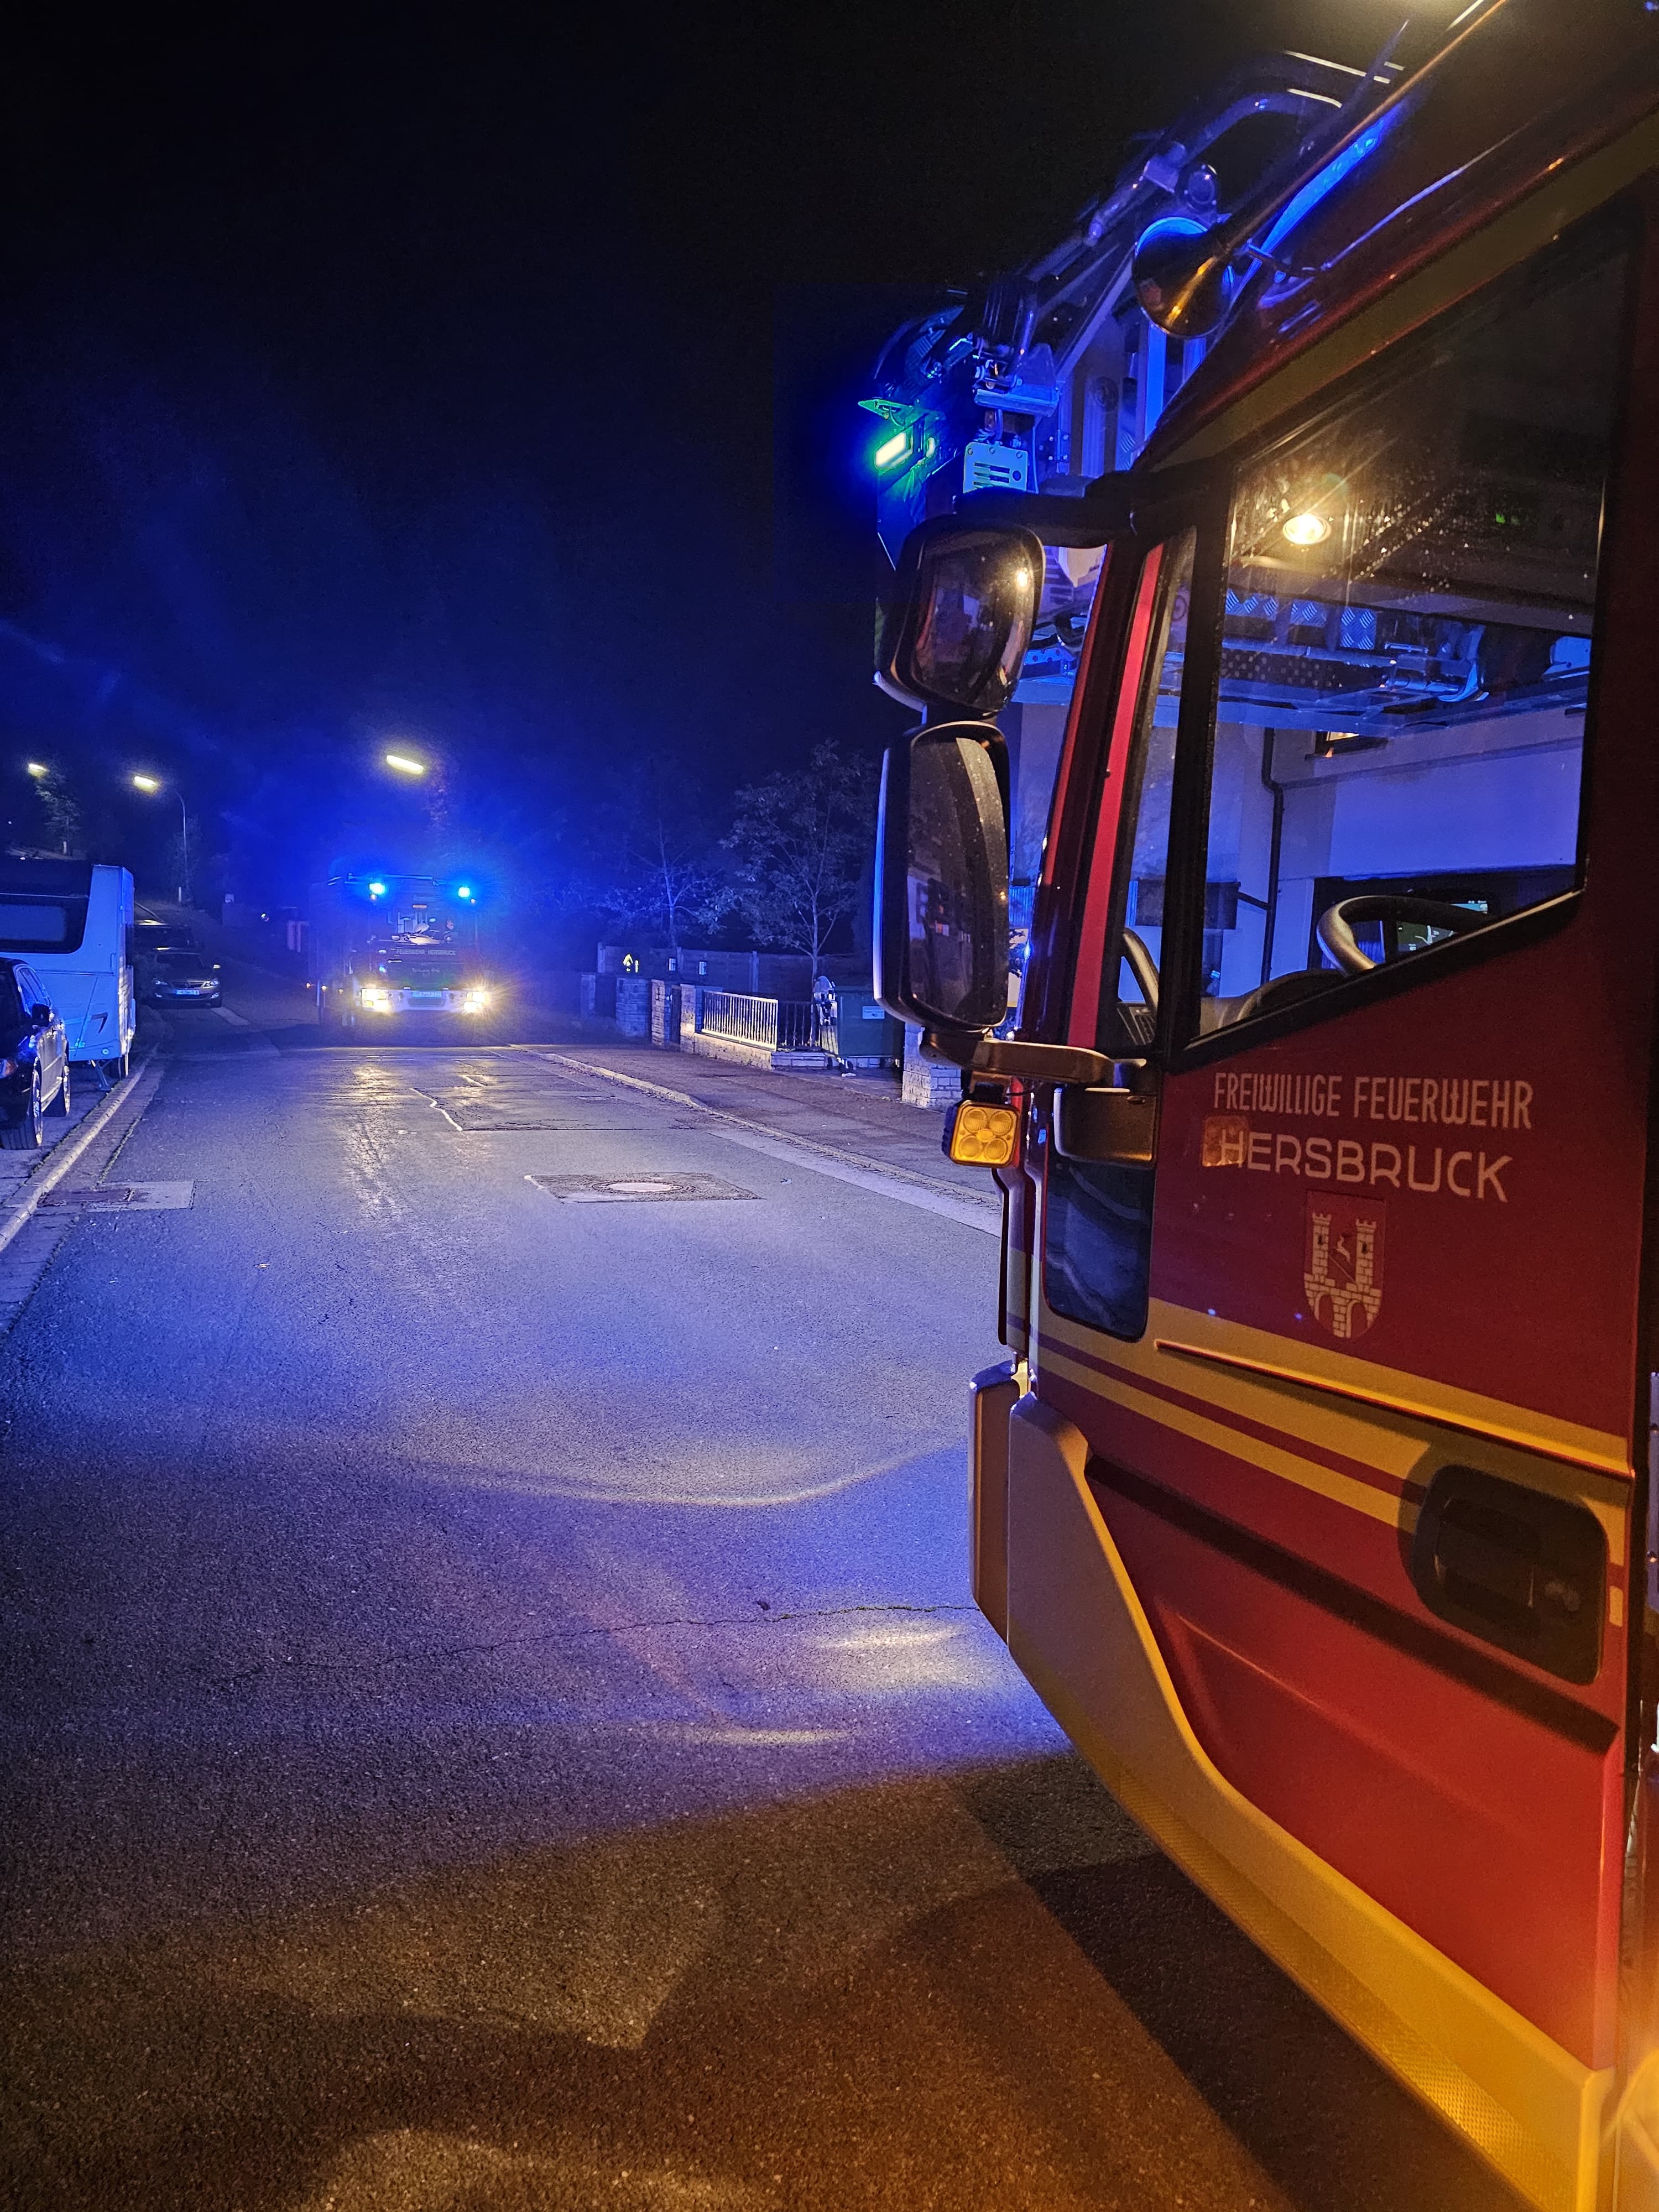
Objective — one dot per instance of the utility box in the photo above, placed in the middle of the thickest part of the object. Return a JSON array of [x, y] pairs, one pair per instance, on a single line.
[[866, 1036]]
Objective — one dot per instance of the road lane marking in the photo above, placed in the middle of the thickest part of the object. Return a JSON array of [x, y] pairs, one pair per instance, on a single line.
[[910, 1189], [138, 1095]]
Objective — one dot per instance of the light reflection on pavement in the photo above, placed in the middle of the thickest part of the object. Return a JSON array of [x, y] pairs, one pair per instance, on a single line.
[[494, 1717]]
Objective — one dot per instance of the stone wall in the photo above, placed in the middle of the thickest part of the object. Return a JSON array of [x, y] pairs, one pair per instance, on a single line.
[[927, 1082]]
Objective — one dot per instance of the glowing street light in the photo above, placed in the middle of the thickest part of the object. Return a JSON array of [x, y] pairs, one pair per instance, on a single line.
[[37, 769], [405, 764], [150, 785]]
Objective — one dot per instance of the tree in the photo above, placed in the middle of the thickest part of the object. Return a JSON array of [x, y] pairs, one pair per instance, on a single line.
[[802, 840], [664, 875], [62, 809]]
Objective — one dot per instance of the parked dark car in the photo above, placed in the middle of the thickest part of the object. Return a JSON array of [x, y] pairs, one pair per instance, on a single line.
[[178, 979], [34, 1068]]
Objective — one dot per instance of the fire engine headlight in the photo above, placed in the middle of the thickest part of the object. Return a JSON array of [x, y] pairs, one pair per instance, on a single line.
[[981, 1136], [379, 1002], [474, 1001]]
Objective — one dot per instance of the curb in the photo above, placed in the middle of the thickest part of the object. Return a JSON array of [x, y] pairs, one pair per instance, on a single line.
[[58, 1162]]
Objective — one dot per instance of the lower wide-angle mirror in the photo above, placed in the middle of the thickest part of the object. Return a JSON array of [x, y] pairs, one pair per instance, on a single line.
[[941, 934]]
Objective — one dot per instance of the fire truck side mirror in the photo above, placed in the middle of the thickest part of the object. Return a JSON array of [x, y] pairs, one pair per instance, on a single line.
[[954, 628], [941, 923]]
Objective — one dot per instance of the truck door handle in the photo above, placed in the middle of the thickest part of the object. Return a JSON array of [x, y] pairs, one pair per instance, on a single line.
[[1105, 1122], [1514, 1566]]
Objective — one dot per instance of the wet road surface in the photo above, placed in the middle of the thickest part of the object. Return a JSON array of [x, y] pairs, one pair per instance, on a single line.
[[494, 1718]]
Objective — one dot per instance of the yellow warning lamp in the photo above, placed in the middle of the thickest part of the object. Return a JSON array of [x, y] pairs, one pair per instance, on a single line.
[[981, 1136]]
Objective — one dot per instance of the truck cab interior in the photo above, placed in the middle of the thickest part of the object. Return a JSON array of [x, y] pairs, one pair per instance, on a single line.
[[1404, 666]]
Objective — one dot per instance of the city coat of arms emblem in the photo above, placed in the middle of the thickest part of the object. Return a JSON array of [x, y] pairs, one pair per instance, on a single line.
[[1343, 1277]]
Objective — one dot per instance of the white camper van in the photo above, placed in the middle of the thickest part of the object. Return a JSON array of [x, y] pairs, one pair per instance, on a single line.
[[73, 922]]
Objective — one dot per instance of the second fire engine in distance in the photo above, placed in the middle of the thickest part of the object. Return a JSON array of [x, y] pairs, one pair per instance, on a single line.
[[387, 952]]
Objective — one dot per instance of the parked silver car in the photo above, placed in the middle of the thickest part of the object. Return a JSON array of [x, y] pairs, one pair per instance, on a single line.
[[183, 978], [35, 1068]]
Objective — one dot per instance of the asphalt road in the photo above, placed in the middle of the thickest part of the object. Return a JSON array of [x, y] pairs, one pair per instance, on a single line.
[[493, 1719]]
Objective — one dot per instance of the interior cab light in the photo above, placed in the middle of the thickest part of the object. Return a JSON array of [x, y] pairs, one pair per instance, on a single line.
[[1306, 529]]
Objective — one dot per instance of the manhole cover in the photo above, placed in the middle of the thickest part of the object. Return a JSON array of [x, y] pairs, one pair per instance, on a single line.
[[122, 1197], [470, 1124], [600, 1190], [474, 1126]]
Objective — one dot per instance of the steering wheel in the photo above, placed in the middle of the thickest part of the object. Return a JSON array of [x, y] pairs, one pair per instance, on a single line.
[[1142, 967], [1336, 924]]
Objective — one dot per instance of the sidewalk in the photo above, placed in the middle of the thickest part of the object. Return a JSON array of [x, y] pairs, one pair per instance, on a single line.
[[857, 1114], [19, 1169], [37, 1203]]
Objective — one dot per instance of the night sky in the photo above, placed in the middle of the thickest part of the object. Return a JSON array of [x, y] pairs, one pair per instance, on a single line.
[[486, 379]]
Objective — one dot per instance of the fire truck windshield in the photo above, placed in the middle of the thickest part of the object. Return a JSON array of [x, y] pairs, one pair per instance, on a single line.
[[410, 971], [1404, 653]]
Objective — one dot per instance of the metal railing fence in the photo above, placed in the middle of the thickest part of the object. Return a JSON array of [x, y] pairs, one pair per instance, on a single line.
[[801, 1028], [780, 1024], [733, 1014]]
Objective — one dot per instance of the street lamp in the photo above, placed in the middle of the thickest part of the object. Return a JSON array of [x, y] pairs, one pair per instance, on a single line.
[[150, 785], [405, 764], [37, 769]]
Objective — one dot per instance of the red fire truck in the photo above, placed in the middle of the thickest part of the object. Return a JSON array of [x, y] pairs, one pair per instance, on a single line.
[[1315, 1498]]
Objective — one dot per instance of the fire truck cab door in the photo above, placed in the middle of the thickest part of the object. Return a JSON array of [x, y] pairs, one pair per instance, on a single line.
[[1320, 1520]]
